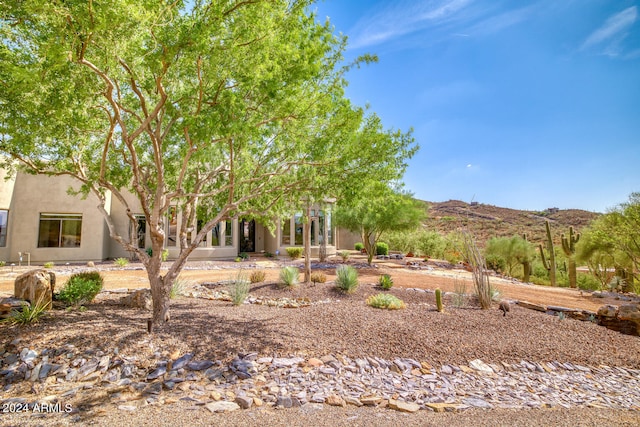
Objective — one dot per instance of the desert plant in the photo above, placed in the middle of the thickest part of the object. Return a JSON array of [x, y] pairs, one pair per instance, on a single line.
[[569, 248], [81, 288], [318, 277], [386, 301], [121, 262], [243, 255], [344, 255], [346, 278], [439, 305], [382, 248], [294, 252], [257, 276], [459, 297], [495, 293], [385, 281], [178, 287], [239, 288], [3, 263], [496, 263], [29, 313], [359, 247], [49, 264], [289, 276], [478, 271], [268, 254], [550, 261], [588, 282]]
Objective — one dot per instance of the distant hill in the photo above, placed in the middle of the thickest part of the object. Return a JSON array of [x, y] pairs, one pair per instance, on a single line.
[[487, 221]]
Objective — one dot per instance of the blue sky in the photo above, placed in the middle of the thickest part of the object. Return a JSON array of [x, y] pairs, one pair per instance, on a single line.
[[522, 104]]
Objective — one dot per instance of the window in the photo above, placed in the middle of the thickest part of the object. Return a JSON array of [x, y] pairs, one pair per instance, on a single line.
[[200, 223], [228, 236], [4, 215], [324, 219], [60, 230], [285, 232], [172, 234], [215, 235], [141, 231], [298, 228]]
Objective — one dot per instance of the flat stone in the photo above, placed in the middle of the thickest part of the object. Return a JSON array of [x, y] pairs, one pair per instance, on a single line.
[[222, 406], [244, 402], [532, 306], [480, 366], [477, 403], [335, 400], [442, 407], [199, 366], [401, 406]]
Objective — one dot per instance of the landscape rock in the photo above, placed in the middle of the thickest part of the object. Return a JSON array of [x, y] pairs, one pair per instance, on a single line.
[[401, 406], [222, 406], [35, 286], [138, 299], [532, 306]]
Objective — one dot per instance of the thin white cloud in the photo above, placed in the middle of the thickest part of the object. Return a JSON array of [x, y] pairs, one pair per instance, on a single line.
[[613, 28], [499, 22], [400, 18]]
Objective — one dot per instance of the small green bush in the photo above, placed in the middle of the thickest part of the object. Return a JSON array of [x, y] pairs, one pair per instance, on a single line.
[[344, 255], [318, 277], [347, 278], [289, 276], [359, 247], [3, 263], [238, 259], [268, 254], [495, 263], [81, 288], [588, 282], [385, 301], [244, 255], [28, 314], [49, 264], [121, 262], [239, 288], [385, 281], [382, 248], [294, 252], [257, 276]]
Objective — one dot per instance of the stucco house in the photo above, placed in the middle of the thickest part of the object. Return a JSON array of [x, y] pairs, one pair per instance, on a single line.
[[40, 222]]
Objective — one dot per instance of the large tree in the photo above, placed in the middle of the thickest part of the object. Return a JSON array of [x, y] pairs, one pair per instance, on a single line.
[[219, 108], [378, 209]]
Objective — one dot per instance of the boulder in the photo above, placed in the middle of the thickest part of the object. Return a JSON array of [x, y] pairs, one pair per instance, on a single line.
[[7, 305], [139, 299], [532, 306], [624, 319], [36, 286]]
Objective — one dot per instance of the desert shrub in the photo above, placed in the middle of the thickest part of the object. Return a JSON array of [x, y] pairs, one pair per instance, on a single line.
[[495, 263], [268, 254], [346, 278], [257, 276], [382, 248], [121, 262], [238, 259], [385, 301], [239, 288], [243, 255], [588, 282], [178, 287], [3, 263], [359, 246], [49, 264], [294, 252], [385, 281], [29, 314], [459, 296], [452, 256], [344, 255], [431, 244], [289, 276], [318, 277], [81, 288]]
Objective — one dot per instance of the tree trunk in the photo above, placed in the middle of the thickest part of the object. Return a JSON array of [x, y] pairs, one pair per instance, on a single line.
[[526, 266], [307, 245], [368, 246], [160, 291], [573, 275]]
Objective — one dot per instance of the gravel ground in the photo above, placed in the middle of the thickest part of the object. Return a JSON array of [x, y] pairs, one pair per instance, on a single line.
[[344, 325]]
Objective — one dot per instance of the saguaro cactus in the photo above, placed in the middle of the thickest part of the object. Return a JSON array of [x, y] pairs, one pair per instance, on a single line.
[[569, 248], [526, 264], [550, 263], [439, 300]]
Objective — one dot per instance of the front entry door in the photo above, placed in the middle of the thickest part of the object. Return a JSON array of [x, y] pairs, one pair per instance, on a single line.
[[247, 235]]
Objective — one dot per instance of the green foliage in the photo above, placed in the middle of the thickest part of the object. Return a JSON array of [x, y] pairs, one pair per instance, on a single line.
[[346, 278], [81, 288], [549, 260], [495, 262], [359, 246], [382, 248], [289, 276], [178, 287], [439, 305], [163, 257], [294, 252], [318, 277], [385, 301], [121, 262], [28, 314], [48, 264], [385, 282], [588, 282], [3, 263], [257, 276], [239, 288], [268, 254], [344, 255], [244, 256]]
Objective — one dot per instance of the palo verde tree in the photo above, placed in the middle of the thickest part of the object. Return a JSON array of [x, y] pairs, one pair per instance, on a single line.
[[217, 109], [379, 208]]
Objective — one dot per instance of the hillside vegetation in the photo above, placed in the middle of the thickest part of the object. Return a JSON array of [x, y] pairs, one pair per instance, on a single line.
[[487, 221]]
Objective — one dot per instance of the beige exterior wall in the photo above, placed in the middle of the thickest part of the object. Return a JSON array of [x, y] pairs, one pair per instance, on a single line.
[[347, 239], [33, 195], [6, 193]]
